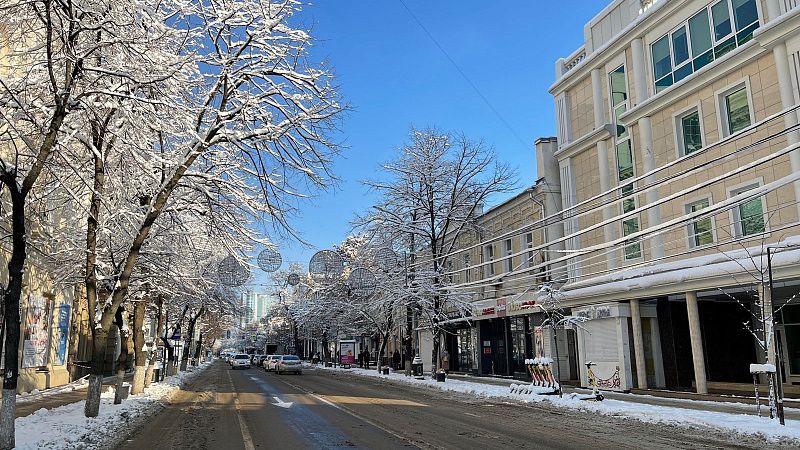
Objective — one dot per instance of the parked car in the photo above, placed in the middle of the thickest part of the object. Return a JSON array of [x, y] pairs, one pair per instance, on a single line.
[[289, 363], [269, 364], [241, 361], [259, 362]]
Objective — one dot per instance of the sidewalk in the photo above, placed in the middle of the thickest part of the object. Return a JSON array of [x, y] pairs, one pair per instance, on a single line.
[[49, 401], [726, 416], [706, 402]]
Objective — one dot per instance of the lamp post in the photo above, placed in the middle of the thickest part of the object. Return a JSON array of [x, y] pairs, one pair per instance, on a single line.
[[774, 331]]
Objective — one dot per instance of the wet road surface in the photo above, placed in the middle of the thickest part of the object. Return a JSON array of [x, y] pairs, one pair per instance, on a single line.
[[252, 409]]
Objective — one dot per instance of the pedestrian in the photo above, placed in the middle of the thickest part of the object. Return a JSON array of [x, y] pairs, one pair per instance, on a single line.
[[366, 359], [361, 359], [396, 359]]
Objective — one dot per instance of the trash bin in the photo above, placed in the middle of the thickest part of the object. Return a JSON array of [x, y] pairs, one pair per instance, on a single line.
[[440, 376], [416, 368], [385, 370]]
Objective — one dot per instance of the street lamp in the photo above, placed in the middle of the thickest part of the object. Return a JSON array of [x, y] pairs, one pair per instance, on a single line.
[[778, 366]]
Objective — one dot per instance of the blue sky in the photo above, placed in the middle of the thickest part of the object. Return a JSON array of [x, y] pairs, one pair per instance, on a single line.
[[394, 76]]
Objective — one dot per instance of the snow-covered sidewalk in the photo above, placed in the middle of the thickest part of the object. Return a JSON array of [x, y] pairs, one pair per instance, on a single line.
[[728, 422], [66, 427]]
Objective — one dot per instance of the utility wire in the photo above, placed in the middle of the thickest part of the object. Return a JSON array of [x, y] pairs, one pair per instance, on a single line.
[[464, 75]]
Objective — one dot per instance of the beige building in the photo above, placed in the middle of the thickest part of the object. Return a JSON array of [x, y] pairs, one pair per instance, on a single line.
[[501, 264], [678, 169]]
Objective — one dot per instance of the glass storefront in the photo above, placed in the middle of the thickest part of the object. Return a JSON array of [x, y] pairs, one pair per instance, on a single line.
[[791, 327], [519, 347], [465, 349]]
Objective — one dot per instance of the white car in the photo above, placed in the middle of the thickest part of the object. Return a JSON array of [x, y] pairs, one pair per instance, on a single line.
[[240, 361], [289, 363], [271, 362]]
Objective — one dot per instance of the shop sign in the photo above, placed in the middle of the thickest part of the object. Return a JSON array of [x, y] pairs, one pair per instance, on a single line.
[[488, 311], [594, 312], [36, 338], [501, 307], [520, 306], [347, 352], [63, 333]]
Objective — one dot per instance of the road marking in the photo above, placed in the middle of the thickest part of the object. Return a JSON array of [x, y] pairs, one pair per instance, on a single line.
[[281, 403], [470, 414], [248, 440]]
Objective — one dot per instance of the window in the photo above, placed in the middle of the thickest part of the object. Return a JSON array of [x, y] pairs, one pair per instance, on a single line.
[[700, 231], [689, 132], [624, 151], [529, 245], [736, 110], [633, 248], [488, 257], [508, 262], [449, 270], [467, 270], [748, 216], [707, 35]]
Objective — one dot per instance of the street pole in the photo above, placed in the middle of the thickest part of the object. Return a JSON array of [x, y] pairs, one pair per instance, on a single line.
[[778, 368], [164, 351]]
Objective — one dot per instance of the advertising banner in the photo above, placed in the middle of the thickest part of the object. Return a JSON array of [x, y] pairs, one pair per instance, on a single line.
[[62, 333], [36, 337], [347, 352]]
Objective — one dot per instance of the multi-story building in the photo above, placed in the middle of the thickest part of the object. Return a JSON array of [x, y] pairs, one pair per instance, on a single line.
[[677, 163], [501, 264]]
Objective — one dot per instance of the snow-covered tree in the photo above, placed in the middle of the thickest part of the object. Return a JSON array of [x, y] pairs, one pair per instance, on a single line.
[[430, 195]]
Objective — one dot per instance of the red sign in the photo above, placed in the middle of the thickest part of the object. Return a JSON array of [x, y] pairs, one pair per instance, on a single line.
[[487, 350], [487, 311]]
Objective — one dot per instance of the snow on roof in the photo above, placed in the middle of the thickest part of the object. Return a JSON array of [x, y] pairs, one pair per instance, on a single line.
[[752, 259]]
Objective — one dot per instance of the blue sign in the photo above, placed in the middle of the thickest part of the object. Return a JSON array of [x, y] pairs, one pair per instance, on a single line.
[[63, 332]]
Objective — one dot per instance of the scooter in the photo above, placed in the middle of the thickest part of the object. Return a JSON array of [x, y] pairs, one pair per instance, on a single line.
[[596, 395]]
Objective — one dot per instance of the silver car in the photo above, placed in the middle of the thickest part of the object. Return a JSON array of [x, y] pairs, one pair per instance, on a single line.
[[271, 362], [289, 363], [240, 361]]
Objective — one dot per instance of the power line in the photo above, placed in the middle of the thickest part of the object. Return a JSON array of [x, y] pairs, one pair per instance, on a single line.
[[464, 75]]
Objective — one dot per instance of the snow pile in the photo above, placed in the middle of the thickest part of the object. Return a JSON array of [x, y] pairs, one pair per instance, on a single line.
[[35, 395], [739, 423], [66, 426]]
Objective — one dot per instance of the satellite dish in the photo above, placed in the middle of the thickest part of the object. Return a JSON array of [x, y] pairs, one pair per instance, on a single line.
[[231, 272], [293, 279], [362, 282], [326, 263]]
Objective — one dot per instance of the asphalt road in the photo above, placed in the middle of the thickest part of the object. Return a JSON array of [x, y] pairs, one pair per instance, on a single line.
[[249, 409]]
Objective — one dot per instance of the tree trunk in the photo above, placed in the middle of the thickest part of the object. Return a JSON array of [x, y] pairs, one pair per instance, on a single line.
[[122, 360], [187, 347], [198, 350], [408, 341], [148, 377], [140, 354], [435, 353], [12, 320], [92, 408], [99, 333]]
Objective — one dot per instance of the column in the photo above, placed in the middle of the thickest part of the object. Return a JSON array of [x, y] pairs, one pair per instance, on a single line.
[[639, 73], [602, 162], [773, 9], [638, 345], [651, 196], [697, 343], [787, 101]]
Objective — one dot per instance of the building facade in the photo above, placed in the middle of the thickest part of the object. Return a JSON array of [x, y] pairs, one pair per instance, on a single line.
[[677, 159]]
